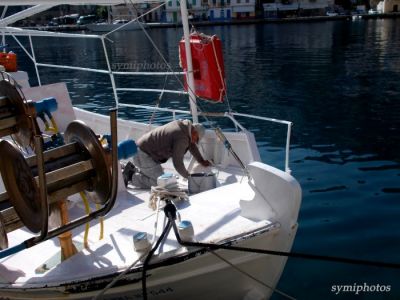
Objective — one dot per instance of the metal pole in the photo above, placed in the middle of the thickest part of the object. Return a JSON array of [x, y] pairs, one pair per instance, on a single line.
[[287, 169], [110, 72], [189, 73], [34, 61], [42, 188], [3, 14]]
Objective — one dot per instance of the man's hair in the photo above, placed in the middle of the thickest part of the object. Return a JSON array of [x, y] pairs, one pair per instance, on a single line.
[[200, 129]]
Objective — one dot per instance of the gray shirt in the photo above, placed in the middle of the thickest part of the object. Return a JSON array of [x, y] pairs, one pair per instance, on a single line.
[[170, 140]]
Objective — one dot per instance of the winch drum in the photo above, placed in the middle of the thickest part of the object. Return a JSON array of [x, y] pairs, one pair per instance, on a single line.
[[89, 171]]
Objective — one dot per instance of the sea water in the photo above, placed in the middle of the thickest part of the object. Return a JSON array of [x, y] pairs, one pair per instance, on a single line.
[[338, 81]]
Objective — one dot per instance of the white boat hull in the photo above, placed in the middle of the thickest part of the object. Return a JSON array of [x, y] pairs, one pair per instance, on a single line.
[[198, 275], [260, 213]]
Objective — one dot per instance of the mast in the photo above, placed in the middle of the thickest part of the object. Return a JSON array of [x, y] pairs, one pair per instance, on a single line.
[[189, 73]]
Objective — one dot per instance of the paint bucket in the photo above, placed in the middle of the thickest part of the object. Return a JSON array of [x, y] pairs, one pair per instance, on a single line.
[[200, 182]]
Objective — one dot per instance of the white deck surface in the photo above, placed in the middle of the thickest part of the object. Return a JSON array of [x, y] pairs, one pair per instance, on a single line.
[[215, 216]]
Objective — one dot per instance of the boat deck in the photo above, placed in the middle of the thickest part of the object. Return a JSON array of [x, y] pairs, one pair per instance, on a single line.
[[215, 215]]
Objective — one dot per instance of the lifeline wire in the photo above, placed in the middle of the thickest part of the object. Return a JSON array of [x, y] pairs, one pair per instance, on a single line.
[[177, 78], [199, 105]]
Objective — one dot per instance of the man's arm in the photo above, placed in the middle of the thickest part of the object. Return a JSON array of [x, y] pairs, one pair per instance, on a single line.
[[197, 155], [177, 159]]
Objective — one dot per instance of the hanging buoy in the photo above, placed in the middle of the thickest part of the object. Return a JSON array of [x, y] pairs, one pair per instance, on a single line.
[[208, 66], [9, 61]]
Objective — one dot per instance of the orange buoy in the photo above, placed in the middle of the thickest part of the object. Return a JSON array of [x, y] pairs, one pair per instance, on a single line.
[[3, 59], [11, 62], [208, 66]]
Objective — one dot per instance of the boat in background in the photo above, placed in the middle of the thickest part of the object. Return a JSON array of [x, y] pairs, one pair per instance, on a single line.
[[356, 17], [228, 241], [115, 25]]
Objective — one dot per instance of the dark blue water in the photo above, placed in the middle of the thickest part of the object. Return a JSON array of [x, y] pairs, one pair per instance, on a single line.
[[339, 82]]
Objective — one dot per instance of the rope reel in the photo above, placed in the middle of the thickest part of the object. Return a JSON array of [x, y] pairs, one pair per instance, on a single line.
[[15, 113], [79, 165], [63, 165]]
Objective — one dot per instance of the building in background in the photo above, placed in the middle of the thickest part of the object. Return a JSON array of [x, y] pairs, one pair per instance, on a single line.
[[296, 8], [153, 12], [219, 10], [197, 10], [243, 9], [129, 12], [172, 11]]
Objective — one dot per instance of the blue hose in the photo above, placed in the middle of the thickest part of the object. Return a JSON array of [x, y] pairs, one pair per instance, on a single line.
[[13, 250]]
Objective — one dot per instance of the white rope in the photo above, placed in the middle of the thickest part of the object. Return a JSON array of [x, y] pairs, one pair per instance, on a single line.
[[161, 192], [221, 76], [219, 69]]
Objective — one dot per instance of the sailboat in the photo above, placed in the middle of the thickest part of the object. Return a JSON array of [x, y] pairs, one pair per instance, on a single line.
[[70, 229]]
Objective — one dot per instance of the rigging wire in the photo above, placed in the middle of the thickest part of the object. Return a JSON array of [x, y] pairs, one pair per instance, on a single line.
[[198, 104], [252, 277], [158, 102]]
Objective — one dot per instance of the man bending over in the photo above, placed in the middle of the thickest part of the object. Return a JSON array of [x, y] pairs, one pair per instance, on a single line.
[[171, 140]]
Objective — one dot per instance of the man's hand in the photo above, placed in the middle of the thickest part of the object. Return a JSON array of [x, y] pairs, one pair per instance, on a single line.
[[205, 163]]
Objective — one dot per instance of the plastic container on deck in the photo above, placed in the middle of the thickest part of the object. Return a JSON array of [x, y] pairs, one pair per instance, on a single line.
[[201, 182]]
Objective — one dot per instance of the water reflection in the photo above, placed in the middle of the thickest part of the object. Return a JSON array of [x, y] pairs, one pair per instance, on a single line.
[[337, 81]]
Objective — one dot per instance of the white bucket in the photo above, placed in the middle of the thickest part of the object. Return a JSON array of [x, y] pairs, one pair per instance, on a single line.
[[200, 182]]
